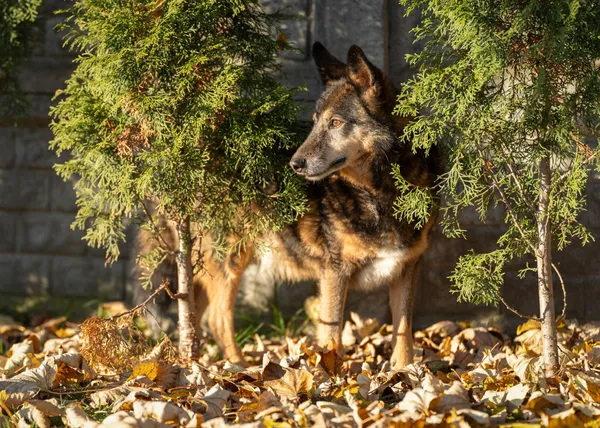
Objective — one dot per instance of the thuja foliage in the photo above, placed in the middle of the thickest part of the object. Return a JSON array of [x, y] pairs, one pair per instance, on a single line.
[[510, 89], [174, 110], [17, 22]]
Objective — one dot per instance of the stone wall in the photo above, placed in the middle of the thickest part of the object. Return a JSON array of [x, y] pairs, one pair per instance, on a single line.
[[40, 255]]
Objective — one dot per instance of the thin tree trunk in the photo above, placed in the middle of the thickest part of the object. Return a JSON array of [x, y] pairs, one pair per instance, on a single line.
[[188, 342], [544, 270]]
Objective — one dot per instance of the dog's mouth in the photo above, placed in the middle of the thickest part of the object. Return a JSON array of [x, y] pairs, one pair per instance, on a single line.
[[336, 165]]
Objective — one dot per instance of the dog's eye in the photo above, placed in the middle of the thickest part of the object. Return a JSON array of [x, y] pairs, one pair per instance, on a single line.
[[315, 116], [335, 123]]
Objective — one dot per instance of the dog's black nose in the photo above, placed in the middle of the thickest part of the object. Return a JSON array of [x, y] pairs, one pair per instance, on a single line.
[[298, 164]]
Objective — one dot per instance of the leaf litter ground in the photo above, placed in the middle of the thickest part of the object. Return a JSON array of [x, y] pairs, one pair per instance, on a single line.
[[104, 373]]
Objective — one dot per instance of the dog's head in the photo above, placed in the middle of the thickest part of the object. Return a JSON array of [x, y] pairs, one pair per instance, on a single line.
[[352, 118]]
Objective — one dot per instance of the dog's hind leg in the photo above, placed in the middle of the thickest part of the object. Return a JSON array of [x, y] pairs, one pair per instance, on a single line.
[[402, 290], [216, 288]]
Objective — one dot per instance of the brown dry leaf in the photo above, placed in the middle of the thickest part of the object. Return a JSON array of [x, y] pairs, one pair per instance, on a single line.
[[293, 383], [364, 327], [265, 401], [26, 385], [160, 411], [75, 417], [418, 402], [348, 337], [120, 419], [109, 396], [39, 412], [565, 419], [540, 401], [454, 398], [215, 401], [67, 376], [331, 362], [17, 356]]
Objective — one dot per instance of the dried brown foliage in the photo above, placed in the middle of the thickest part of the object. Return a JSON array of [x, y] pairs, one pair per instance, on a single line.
[[463, 376], [111, 345]]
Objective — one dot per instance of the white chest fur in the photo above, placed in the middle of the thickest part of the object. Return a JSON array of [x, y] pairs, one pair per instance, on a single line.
[[381, 269]]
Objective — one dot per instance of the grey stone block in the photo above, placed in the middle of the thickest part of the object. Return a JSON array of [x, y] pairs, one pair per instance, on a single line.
[[401, 42], [63, 195], [577, 259], [49, 233], [591, 216], [79, 276], [300, 7], [8, 231], [53, 43], [124, 246], [23, 189], [292, 295], [33, 150], [522, 295], [433, 295], [342, 23], [591, 296], [445, 251], [303, 73], [297, 32], [39, 105], [369, 304], [7, 148], [257, 291], [24, 274], [50, 6], [44, 75], [494, 216]]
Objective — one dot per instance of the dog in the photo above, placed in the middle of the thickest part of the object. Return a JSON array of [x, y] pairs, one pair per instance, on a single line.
[[349, 237]]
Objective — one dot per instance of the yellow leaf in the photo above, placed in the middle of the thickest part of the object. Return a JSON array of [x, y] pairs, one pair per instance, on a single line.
[[67, 376], [149, 369], [529, 325]]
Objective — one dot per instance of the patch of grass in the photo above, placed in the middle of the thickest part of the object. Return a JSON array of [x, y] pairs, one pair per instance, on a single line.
[[24, 308], [246, 334], [291, 327], [97, 413]]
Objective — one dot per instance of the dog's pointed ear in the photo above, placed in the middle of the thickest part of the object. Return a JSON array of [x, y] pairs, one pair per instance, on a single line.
[[362, 74], [330, 68]]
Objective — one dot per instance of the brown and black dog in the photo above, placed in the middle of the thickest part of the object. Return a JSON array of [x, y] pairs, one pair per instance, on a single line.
[[350, 237]]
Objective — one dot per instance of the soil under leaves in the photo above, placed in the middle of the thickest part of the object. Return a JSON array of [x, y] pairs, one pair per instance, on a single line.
[[103, 373]]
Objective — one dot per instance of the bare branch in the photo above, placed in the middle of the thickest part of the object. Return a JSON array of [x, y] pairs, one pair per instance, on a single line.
[[516, 312], [564, 290], [508, 207], [163, 286], [158, 237]]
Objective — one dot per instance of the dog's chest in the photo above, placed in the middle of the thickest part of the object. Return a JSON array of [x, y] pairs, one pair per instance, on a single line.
[[381, 269]]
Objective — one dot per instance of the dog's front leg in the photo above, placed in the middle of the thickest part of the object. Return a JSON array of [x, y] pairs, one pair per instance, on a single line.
[[333, 289], [402, 290]]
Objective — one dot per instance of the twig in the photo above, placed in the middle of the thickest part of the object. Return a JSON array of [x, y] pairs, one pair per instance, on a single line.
[[514, 311], [564, 290], [163, 286], [509, 208], [158, 236], [519, 185]]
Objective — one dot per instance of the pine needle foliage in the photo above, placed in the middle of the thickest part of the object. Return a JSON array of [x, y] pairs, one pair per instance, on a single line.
[[511, 91], [175, 110], [500, 85], [17, 22]]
